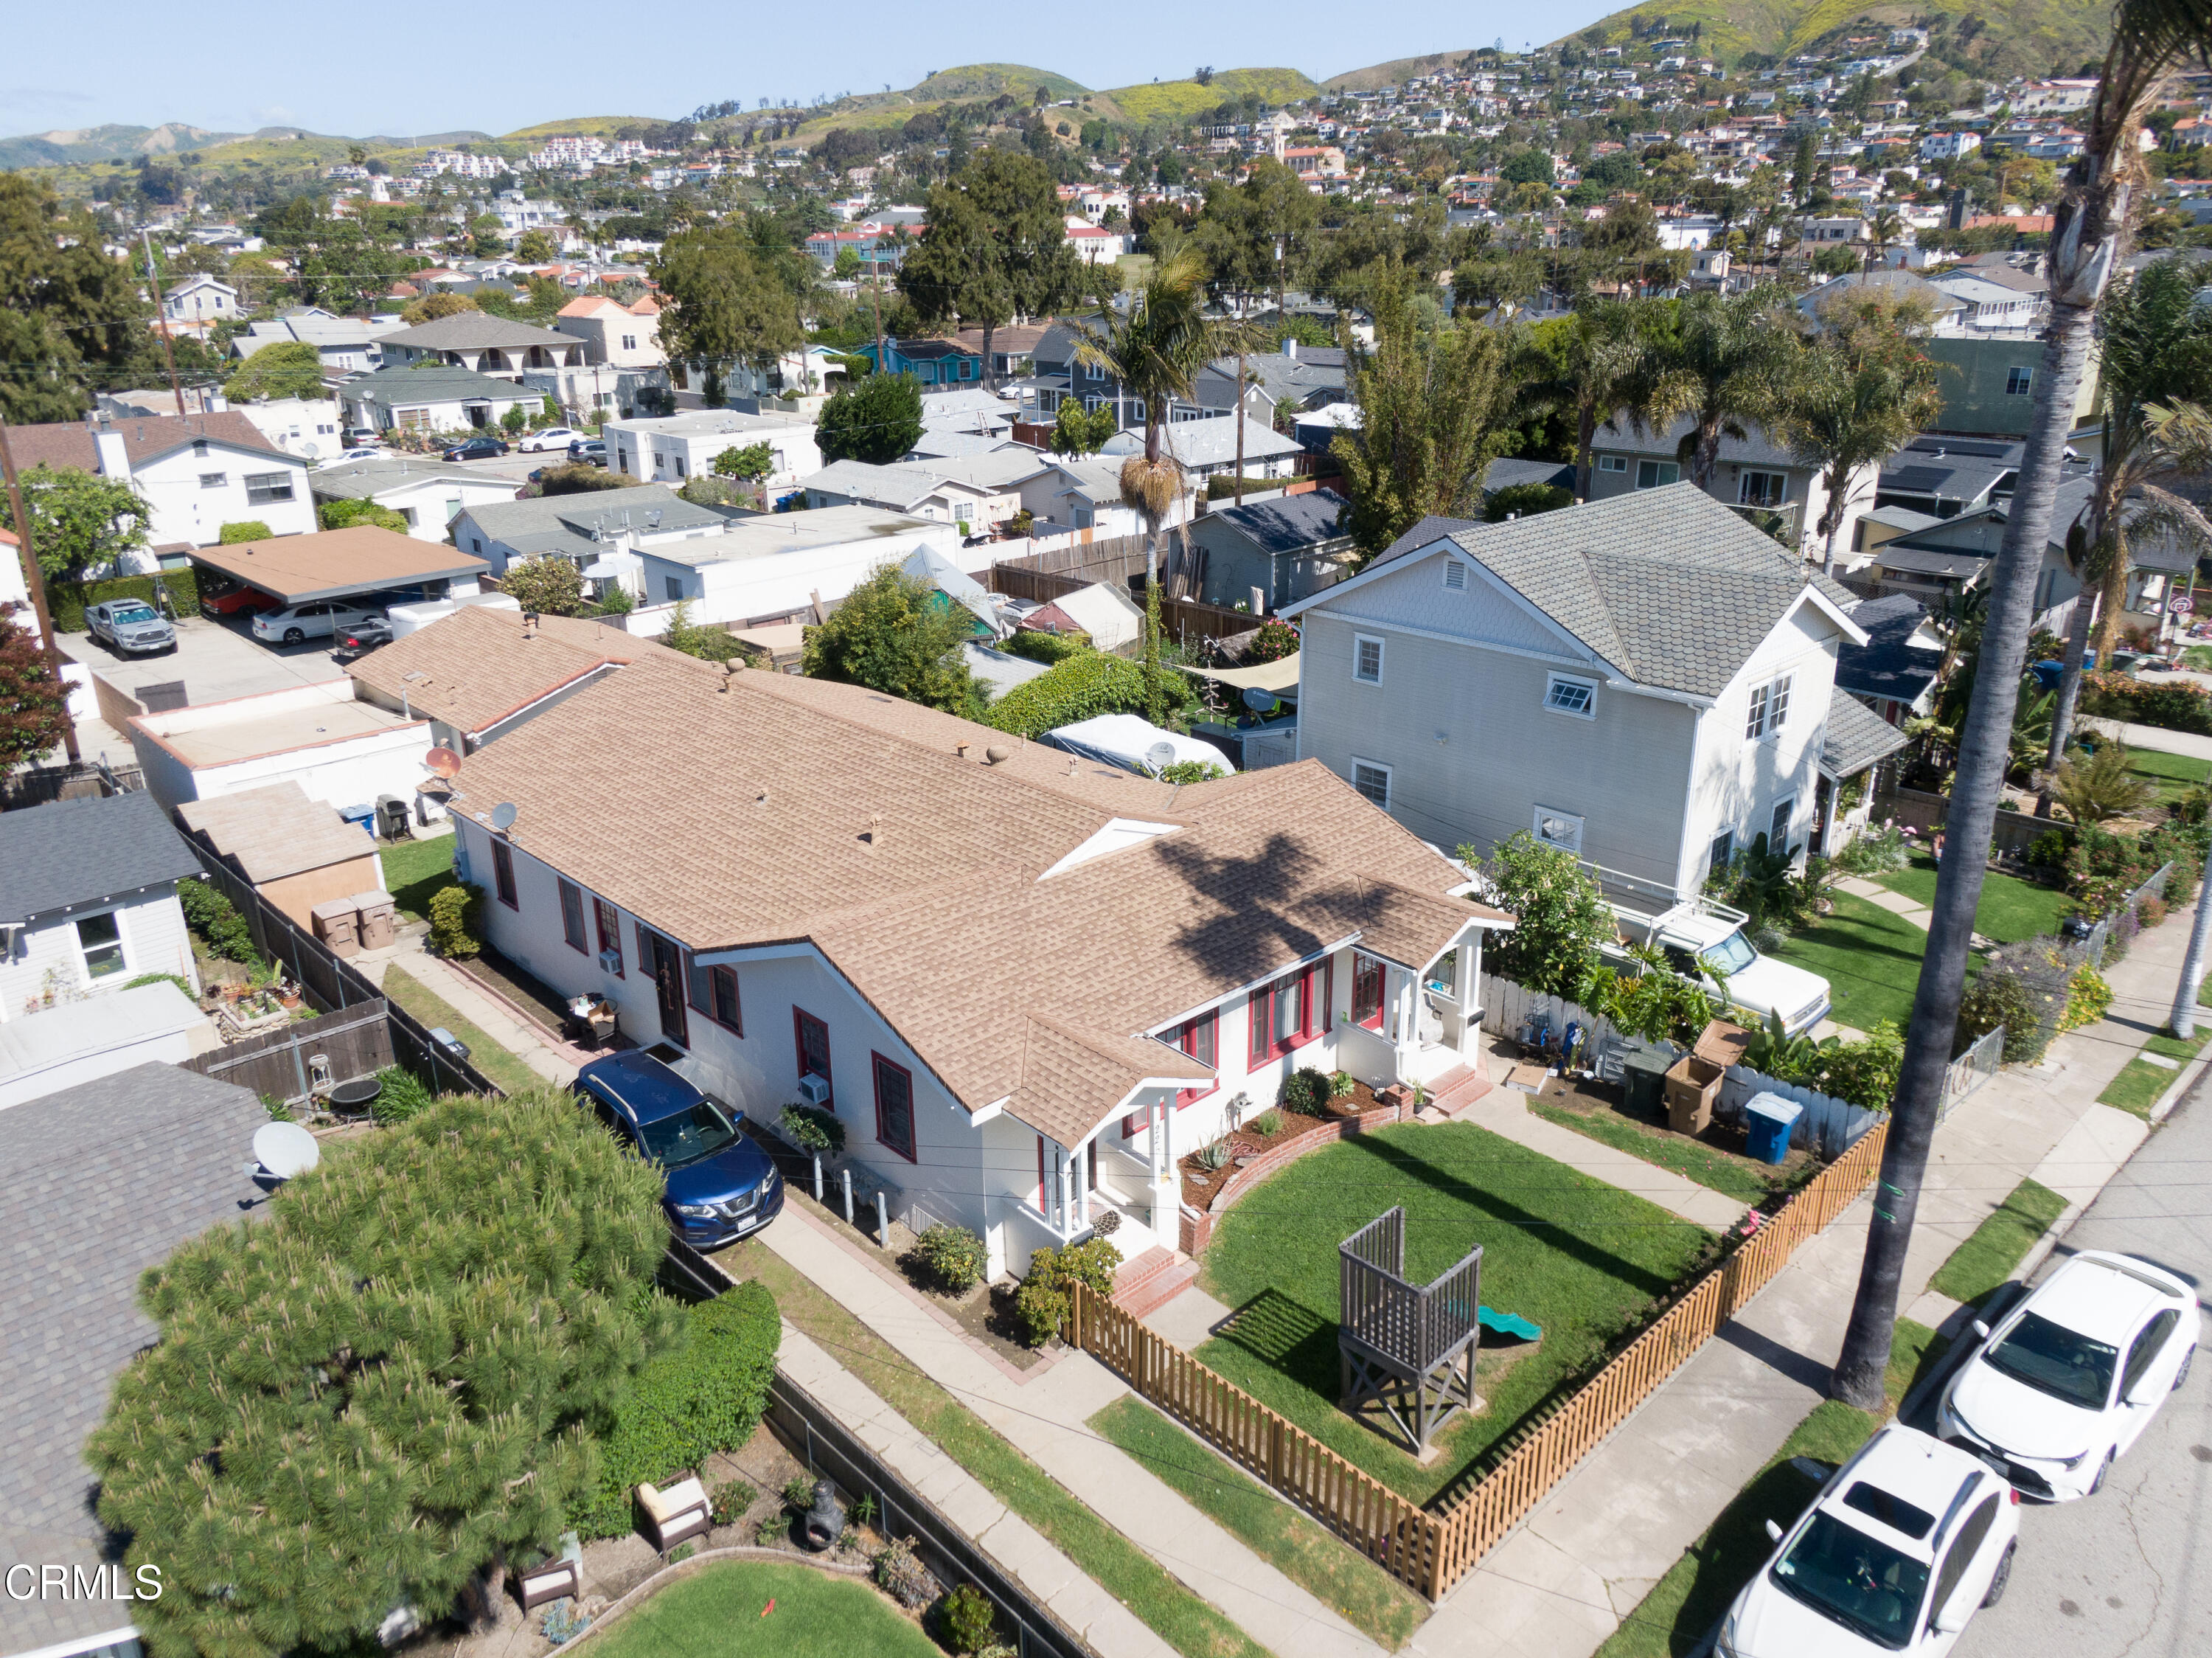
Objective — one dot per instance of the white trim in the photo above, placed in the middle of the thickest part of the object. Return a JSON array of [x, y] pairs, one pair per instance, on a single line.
[[1377, 641], [114, 1638], [1587, 711], [1229, 998], [1455, 567], [1536, 826], [1372, 766]]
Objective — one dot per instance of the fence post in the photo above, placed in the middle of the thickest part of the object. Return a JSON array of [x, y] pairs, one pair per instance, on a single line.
[[299, 1069], [882, 1222], [845, 1177]]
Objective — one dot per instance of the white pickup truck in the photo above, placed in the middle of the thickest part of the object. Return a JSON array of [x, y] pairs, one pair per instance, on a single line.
[[1704, 941]]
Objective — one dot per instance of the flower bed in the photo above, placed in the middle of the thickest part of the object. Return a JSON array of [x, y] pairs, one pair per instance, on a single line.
[[1207, 1194]]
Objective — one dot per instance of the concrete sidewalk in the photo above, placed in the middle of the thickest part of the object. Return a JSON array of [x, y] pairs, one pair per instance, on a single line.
[[527, 1040], [1561, 1584]]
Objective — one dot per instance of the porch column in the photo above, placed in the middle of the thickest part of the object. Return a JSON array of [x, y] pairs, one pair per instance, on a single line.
[[1167, 1193], [1467, 985]]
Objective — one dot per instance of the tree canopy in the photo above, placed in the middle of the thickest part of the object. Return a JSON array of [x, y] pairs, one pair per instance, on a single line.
[[995, 247], [80, 521], [898, 634], [550, 586], [730, 293], [289, 368], [347, 511], [34, 702], [876, 419], [67, 310]]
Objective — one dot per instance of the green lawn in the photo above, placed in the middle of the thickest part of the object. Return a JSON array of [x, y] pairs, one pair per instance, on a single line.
[[723, 1608], [2011, 909], [1683, 1605], [1999, 1244], [2173, 775], [1678, 1152], [1576, 1256], [1125, 1571], [1298, 1547], [433, 1009], [1870, 957], [2141, 1084], [413, 869]]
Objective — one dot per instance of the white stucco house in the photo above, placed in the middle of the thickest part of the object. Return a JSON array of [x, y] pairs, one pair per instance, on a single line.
[[196, 473], [426, 492], [775, 567], [1643, 680], [671, 448], [805, 902]]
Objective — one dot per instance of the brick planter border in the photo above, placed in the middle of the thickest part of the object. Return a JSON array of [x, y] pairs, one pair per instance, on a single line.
[[1195, 1229]]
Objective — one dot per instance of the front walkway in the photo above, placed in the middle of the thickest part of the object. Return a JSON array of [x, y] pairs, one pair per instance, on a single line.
[[1561, 1584], [527, 1040], [1905, 909]]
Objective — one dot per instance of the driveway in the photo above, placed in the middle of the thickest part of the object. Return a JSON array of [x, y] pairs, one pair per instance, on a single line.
[[216, 661], [2119, 1573]]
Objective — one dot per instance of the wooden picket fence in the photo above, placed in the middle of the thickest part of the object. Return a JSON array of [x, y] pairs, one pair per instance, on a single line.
[[1431, 1551]]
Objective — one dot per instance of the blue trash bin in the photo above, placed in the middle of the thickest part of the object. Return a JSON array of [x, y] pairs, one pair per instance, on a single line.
[[363, 818], [1769, 1117]]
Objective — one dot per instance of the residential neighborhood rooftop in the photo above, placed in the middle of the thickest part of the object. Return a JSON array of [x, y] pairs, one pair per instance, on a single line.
[[330, 563], [79, 851], [483, 664]]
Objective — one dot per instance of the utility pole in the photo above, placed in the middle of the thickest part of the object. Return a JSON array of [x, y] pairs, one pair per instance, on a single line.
[[33, 578], [160, 316]]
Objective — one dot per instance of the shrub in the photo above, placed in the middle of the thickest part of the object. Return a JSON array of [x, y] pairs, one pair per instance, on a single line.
[[1212, 1155], [1340, 1084], [1864, 1072], [617, 600], [1267, 1125], [704, 1394], [1083, 686], [1041, 1304], [798, 1494], [1040, 1310], [2025, 992], [2087, 997], [773, 1529], [344, 513], [954, 1255], [1878, 851], [1525, 501], [457, 920], [405, 1096], [551, 586], [1192, 772], [178, 979], [249, 529], [1560, 916], [2150, 910], [1306, 1090], [1272, 641], [2047, 851], [730, 1499], [903, 1577], [812, 1129], [1040, 647], [2120, 932], [967, 1619], [216, 922]]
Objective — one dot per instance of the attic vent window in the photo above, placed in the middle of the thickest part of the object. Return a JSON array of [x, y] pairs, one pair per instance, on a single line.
[[1563, 830], [1455, 576], [1575, 697]]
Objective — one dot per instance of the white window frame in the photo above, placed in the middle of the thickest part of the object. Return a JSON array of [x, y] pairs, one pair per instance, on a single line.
[[1727, 854], [1359, 643], [1552, 686], [1358, 765], [1785, 808], [122, 945], [1612, 463], [1743, 488], [1658, 468], [1769, 711], [214, 480], [2020, 381], [1544, 813]]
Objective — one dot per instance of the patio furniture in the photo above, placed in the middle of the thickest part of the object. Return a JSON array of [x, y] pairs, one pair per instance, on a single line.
[[551, 1579], [593, 1022], [677, 1515]]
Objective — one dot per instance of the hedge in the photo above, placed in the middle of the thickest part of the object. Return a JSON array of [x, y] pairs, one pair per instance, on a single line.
[[1050, 649], [704, 1395], [69, 602], [2172, 705], [1082, 688]]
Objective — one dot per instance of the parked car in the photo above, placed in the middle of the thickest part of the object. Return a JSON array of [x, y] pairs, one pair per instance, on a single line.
[[323, 619], [1906, 1541], [234, 598], [591, 449], [358, 452], [2071, 1376], [129, 624], [721, 1185], [361, 436], [362, 638], [478, 448], [553, 437], [1704, 943]]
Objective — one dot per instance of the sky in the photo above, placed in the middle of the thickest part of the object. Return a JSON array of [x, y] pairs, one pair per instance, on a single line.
[[349, 71]]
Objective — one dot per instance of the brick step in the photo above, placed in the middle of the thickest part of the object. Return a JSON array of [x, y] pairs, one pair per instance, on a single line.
[[1140, 1269], [1458, 1090], [1157, 1288]]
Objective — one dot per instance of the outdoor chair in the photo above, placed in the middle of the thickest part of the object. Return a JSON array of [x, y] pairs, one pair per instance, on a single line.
[[550, 1579], [677, 1515]]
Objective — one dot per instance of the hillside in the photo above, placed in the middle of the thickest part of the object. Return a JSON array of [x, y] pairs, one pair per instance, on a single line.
[[2035, 37], [103, 144], [578, 126], [1178, 101], [967, 84], [1396, 72]]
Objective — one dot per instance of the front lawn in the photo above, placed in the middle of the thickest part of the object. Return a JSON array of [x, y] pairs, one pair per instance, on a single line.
[[1996, 1247], [2011, 909], [2171, 775], [1870, 957], [413, 869], [1674, 1618], [756, 1609], [1579, 1257]]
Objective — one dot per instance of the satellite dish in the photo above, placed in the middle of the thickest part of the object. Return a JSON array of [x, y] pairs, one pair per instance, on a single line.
[[1259, 701], [502, 815], [1160, 756], [444, 762], [286, 1149]]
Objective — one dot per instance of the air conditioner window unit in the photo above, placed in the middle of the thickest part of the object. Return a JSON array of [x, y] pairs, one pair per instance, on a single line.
[[814, 1090], [611, 960]]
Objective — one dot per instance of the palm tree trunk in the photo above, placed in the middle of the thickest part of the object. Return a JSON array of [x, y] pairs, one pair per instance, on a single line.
[[1984, 749], [2069, 691], [1585, 435]]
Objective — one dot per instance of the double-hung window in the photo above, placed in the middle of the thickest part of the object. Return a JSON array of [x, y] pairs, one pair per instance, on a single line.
[[1372, 781], [572, 917], [1199, 1038], [812, 1036], [1769, 710], [609, 931], [1292, 1011], [895, 1106], [100, 939], [1367, 659], [502, 875]]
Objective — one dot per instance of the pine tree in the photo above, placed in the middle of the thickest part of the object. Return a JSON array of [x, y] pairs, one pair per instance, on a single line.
[[389, 1384]]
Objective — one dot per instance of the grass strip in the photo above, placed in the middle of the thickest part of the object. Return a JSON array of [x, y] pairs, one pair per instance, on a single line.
[[495, 1061], [2010, 909], [413, 869], [1999, 1244], [1676, 1152], [1870, 957], [757, 1609], [2139, 1086], [1672, 1619], [1125, 1571], [1303, 1550]]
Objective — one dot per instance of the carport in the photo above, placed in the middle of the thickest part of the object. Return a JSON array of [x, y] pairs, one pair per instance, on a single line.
[[362, 559]]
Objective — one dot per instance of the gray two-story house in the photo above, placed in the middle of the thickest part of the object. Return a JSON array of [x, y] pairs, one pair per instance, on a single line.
[[1644, 681]]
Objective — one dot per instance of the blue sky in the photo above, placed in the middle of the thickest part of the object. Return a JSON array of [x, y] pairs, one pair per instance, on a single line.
[[497, 67]]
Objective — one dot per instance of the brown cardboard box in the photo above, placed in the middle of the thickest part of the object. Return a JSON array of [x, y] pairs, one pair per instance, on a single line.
[[1692, 1084]]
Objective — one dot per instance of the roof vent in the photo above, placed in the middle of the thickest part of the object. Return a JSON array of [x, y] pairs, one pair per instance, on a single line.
[[995, 755]]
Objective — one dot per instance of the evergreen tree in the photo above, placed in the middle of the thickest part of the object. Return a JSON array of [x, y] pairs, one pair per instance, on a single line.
[[387, 1385], [995, 247], [897, 634], [68, 312], [876, 419], [291, 369]]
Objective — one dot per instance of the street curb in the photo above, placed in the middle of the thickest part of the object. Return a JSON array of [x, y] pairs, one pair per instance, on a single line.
[[2173, 1096]]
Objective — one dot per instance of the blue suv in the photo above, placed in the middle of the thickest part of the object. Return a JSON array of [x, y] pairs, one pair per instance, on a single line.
[[721, 1185]]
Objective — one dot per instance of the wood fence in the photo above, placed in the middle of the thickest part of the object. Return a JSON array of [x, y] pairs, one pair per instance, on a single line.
[[1430, 1552], [356, 1042]]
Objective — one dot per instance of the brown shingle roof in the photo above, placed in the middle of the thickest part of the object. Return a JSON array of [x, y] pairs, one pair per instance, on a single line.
[[785, 809], [358, 558], [477, 666], [145, 438], [276, 831]]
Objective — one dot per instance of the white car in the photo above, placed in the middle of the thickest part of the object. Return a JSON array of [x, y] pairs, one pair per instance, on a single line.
[[1904, 1543], [2070, 1378], [553, 437], [1704, 941], [321, 619], [358, 452]]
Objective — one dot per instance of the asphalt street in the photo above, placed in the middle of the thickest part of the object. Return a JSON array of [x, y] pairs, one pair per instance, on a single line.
[[2125, 1571]]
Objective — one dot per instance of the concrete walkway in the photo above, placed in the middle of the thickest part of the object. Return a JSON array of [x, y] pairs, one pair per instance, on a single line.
[[1044, 1418], [2152, 736], [526, 1039], [1561, 1584], [1908, 909]]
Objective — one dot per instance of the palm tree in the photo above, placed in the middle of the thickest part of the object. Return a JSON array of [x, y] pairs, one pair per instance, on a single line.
[[1856, 398], [1726, 363], [1601, 362], [2148, 37], [1884, 228]]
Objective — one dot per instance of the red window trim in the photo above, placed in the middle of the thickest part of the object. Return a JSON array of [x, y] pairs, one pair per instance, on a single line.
[[1040, 1192], [910, 1150], [1187, 1039], [1360, 963], [1317, 982], [502, 875], [569, 890], [608, 925], [714, 976], [799, 1019]]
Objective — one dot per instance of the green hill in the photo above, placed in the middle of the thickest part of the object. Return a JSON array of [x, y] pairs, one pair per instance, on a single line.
[[1178, 101], [989, 80], [103, 144], [1396, 72], [578, 127], [2022, 37]]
